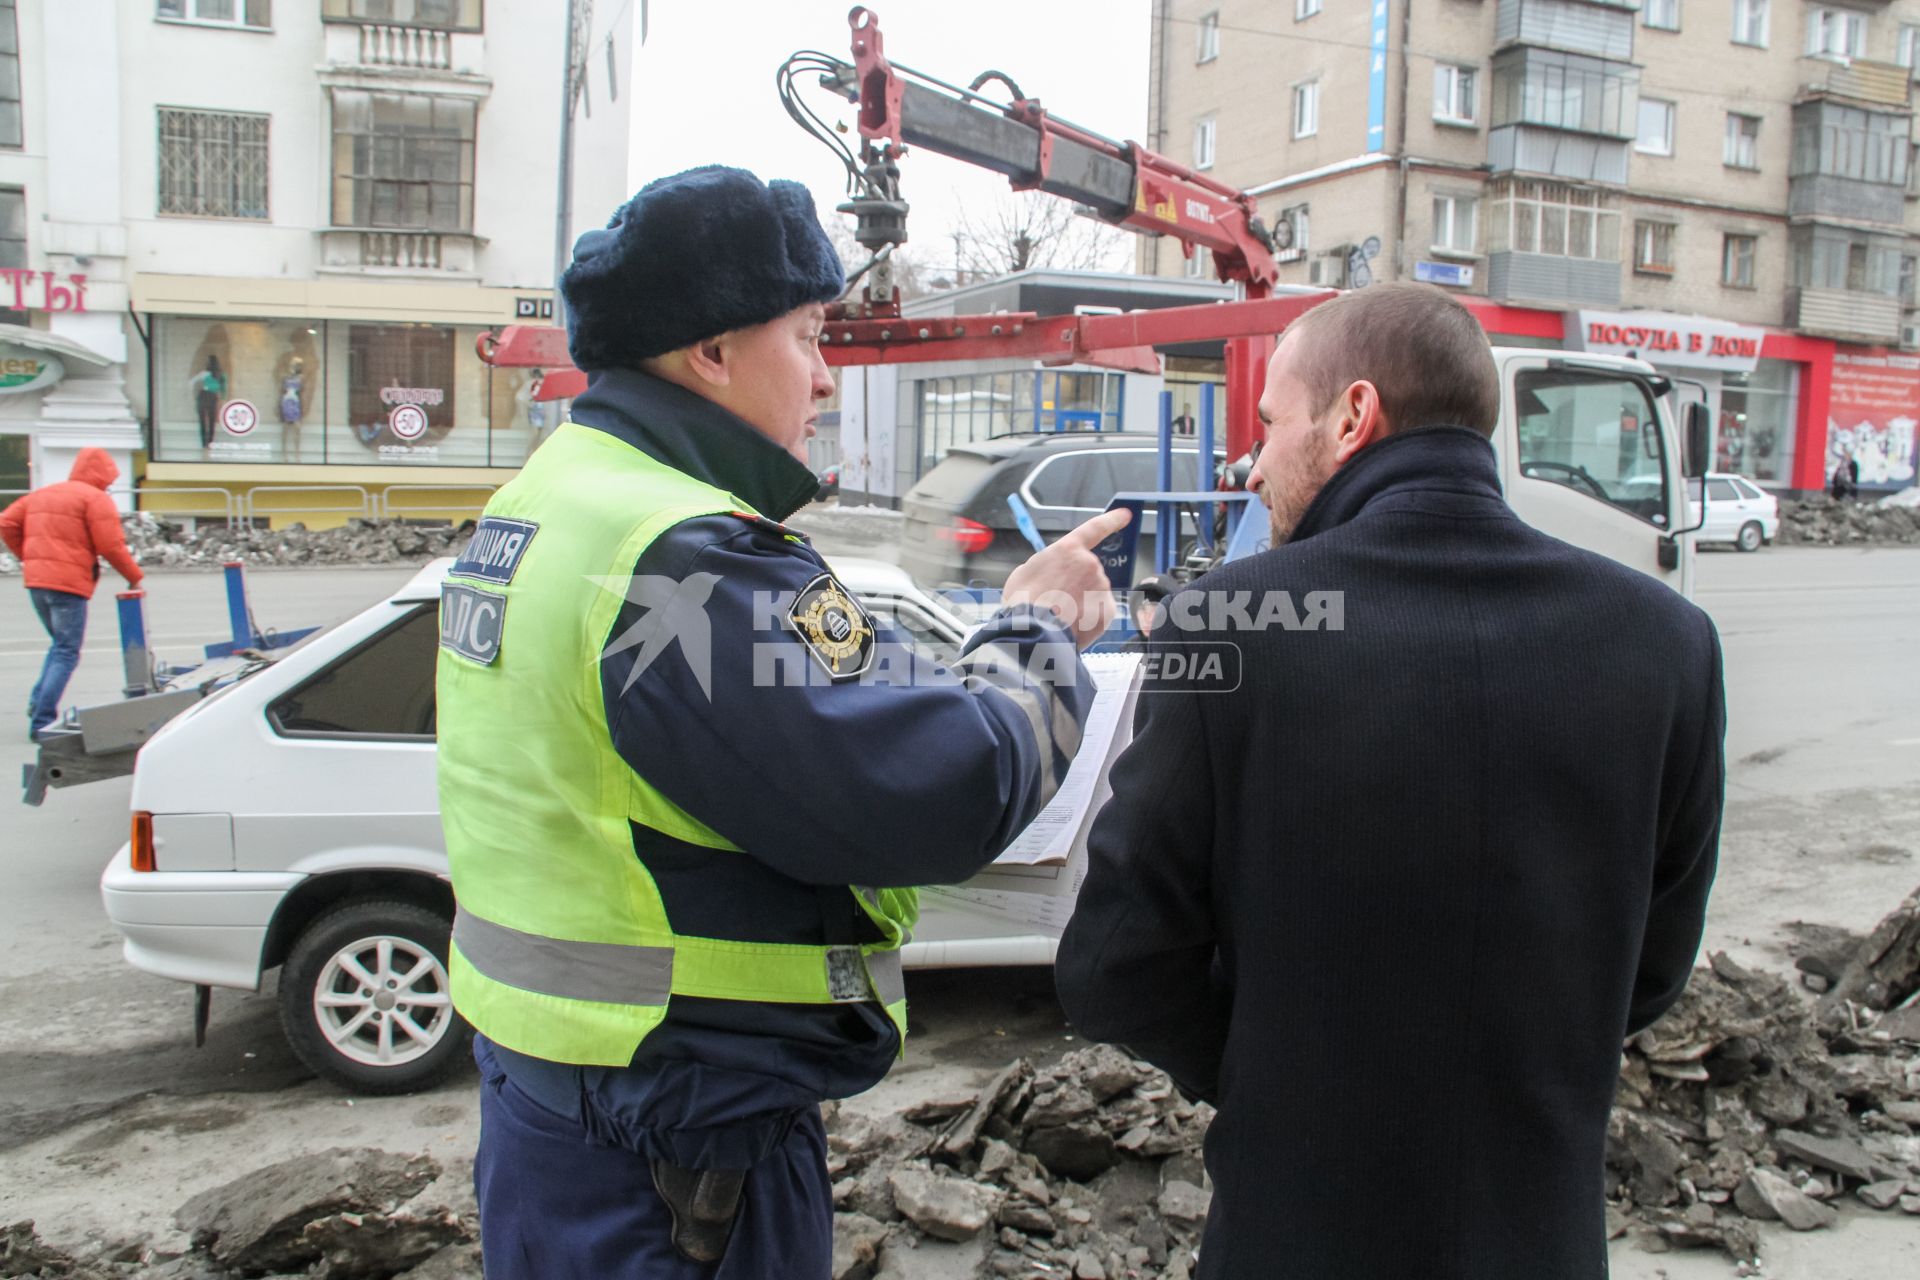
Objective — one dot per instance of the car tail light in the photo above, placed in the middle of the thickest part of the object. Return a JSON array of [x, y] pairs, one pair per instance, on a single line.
[[970, 536], [143, 841]]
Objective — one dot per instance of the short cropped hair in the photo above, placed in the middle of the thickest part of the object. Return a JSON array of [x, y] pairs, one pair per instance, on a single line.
[[1424, 352]]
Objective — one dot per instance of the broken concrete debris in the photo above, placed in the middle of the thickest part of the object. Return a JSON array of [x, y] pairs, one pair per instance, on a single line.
[[1820, 521]]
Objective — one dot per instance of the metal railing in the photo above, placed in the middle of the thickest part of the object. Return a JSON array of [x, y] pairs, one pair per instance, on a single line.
[[360, 503], [387, 510]]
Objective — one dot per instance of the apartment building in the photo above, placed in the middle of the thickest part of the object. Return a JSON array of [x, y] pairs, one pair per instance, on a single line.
[[1726, 188], [294, 219]]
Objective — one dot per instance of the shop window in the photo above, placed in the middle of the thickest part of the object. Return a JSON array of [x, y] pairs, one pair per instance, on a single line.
[[447, 15], [402, 160], [213, 164], [1653, 248], [1743, 141], [1655, 137], [238, 390], [1209, 37], [227, 13], [1737, 253], [1758, 410], [1750, 22], [11, 134]]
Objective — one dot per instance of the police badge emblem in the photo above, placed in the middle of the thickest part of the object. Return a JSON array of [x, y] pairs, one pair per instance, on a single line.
[[833, 627]]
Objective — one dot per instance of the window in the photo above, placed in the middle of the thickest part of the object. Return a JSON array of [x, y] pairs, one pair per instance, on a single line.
[[1662, 15], [10, 128], [213, 164], [1553, 218], [1743, 141], [1846, 142], [1736, 260], [1456, 92], [1087, 481], [1563, 91], [1203, 144], [1653, 248], [1306, 109], [1454, 223], [402, 160], [450, 15], [1908, 263], [381, 689], [1909, 46], [13, 227], [1755, 432], [1596, 433], [230, 13], [1199, 263], [1304, 9], [1750, 22], [1836, 33], [1656, 128], [1826, 257], [1209, 37]]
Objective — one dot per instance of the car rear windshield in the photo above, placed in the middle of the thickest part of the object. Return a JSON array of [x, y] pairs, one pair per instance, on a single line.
[[953, 480], [383, 688]]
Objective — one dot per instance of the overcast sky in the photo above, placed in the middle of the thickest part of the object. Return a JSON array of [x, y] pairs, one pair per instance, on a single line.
[[704, 91]]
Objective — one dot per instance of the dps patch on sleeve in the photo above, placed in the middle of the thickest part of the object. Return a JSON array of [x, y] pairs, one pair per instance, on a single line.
[[470, 621], [833, 626]]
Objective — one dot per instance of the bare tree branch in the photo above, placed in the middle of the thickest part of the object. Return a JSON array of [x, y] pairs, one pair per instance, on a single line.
[[1030, 229]]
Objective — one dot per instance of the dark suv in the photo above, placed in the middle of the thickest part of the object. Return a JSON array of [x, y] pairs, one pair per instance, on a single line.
[[959, 530]]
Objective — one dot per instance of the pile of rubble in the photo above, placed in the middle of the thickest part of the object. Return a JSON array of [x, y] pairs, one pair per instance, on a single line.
[[166, 544], [341, 1214], [1089, 1169], [1748, 1101], [1820, 521]]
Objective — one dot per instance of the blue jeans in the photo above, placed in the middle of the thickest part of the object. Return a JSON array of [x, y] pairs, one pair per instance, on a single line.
[[64, 615]]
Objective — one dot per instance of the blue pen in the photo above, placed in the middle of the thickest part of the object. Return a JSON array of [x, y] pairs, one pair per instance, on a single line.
[[1024, 519]]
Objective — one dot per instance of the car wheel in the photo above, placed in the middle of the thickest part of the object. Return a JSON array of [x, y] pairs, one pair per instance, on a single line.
[[1750, 537], [364, 997]]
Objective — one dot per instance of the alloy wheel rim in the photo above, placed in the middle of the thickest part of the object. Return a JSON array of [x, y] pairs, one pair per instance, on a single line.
[[382, 1001]]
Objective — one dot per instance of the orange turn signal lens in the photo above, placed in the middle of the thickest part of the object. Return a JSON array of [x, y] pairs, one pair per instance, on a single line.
[[143, 841]]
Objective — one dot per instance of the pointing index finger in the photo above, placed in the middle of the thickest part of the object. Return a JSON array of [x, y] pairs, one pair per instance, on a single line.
[[1097, 530]]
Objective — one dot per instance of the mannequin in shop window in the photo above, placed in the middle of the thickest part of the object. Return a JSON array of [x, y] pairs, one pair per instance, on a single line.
[[293, 388], [209, 388]]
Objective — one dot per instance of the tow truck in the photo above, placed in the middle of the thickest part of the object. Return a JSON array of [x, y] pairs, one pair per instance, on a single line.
[[1588, 445]]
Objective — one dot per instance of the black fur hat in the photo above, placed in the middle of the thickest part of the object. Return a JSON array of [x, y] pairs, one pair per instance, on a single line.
[[692, 256]]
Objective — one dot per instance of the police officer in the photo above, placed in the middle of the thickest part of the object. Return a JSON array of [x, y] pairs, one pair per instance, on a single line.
[[688, 781]]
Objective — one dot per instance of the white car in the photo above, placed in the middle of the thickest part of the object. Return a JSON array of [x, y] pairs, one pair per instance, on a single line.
[[291, 820], [1738, 511]]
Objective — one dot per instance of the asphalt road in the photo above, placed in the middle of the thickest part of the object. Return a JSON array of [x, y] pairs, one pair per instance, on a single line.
[[103, 1089]]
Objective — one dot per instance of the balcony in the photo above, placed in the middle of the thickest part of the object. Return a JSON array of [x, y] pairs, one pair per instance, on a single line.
[[1850, 162], [1602, 28], [379, 251], [1549, 278], [1882, 84], [1562, 115], [1846, 314], [386, 51]]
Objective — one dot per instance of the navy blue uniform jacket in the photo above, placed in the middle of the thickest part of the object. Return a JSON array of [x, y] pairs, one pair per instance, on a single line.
[[1394, 903]]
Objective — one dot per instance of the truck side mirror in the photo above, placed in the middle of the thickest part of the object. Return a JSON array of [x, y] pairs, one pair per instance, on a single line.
[[1698, 449]]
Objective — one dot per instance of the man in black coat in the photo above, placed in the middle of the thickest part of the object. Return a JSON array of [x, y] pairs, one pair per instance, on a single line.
[[1394, 902]]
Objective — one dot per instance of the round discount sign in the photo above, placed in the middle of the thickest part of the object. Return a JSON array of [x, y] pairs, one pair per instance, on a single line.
[[239, 417], [407, 421]]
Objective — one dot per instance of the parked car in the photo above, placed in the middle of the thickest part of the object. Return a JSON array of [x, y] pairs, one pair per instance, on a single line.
[[958, 530], [829, 486], [291, 820], [1738, 511]]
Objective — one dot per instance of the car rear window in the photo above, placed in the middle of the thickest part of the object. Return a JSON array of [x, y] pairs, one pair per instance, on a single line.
[[383, 688], [954, 479], [1089, 480]]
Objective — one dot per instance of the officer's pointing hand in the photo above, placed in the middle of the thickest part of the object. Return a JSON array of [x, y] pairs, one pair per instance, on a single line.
[[1069, 579]]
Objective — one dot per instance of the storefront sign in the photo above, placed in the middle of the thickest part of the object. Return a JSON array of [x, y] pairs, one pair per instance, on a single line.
[[1449, 273], [1873, 408], [412, 395], [533, 308], [1664, 339], [22, 370], [239, 417], [407, 421], [41, 291]]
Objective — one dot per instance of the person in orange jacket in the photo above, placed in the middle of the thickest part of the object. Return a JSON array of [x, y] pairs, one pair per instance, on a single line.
[[59, 533]]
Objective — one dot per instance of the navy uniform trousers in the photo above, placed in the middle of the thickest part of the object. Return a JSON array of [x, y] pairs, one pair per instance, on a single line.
[[556, 1204]]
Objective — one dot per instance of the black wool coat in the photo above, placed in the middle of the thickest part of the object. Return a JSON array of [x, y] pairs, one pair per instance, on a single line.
[[1394, 902]]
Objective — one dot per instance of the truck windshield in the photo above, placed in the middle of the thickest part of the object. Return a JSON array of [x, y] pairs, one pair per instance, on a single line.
[[1595, 432]]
